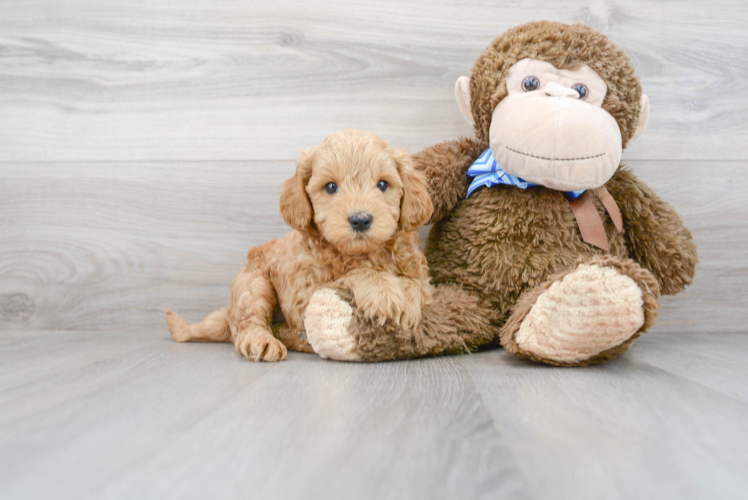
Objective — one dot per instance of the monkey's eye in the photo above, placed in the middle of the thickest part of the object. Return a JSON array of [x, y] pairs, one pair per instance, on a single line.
[[382, 186], [530, 83], [331, 188], [581, 90]]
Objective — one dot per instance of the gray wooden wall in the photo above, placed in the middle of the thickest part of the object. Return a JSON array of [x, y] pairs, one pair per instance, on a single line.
[[142, 143]]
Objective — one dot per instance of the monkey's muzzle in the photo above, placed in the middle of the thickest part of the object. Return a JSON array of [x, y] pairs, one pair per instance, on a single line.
[[558, 142]]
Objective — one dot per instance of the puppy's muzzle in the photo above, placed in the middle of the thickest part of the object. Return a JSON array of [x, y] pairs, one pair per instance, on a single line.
[[360, 222]]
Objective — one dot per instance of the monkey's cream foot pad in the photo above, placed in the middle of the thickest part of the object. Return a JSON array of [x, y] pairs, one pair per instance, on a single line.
[[326, 322], [588, 311]]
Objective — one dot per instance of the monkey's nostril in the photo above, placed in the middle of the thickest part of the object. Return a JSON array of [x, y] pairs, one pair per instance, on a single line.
[[360, 221]]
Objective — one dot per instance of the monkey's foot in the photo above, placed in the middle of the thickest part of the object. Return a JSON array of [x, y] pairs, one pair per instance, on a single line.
[[326, 320], [588, 315]]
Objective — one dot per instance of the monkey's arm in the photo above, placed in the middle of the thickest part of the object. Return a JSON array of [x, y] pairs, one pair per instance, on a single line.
[[655, 233], [445, 165]]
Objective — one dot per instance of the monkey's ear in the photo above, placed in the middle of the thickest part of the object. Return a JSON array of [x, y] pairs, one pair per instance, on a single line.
[[643, 118], [462, 93], [294, 203], [416, 206]]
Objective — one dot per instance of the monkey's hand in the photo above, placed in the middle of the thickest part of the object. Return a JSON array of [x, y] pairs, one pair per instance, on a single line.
[[445, 167], [655, 234]]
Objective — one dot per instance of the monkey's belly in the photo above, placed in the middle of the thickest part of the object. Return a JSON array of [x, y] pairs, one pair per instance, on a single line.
[[504, 240]]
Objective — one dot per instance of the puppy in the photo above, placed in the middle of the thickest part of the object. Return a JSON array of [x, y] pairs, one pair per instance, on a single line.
[[356, 205]]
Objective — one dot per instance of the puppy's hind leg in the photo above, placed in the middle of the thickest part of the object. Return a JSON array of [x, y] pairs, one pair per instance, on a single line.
[[214, 328], [253, 302]]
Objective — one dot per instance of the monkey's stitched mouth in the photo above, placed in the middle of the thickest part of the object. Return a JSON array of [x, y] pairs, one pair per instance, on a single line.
[[556, 159]]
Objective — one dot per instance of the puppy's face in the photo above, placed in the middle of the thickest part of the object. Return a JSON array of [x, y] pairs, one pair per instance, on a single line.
[[357, 191]]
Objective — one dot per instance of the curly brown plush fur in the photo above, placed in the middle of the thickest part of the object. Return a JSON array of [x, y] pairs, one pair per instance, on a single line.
[[503, 241], [507, 246], [627, 267], [453, 322], [566, 47]]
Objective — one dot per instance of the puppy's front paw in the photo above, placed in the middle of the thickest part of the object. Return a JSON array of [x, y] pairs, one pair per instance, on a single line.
[[411, 316], [262, 347], [383, 305], [326, 320]]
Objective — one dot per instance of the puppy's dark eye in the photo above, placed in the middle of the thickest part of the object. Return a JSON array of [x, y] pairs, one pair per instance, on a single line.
[[331, 188], [581, 90], [382, 186], [530, 83]]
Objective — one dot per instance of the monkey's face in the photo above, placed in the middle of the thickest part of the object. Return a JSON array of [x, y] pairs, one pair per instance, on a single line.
[[551, 129]]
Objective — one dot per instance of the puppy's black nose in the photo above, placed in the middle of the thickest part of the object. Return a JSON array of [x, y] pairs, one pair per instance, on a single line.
[[360, 221]]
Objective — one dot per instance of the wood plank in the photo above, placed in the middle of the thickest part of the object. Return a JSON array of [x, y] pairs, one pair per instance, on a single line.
[[138, 415], [135, 415], [128, 233], [711, 198], [197, 80], [628, 429], [689, 356], [107, 246]]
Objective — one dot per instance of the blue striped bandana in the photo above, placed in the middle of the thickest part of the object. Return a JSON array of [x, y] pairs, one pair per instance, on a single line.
[[488, 172]]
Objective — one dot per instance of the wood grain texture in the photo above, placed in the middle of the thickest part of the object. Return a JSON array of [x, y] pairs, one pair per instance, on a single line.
[[108, 213], [109, 246], [141, 149], [117, 243], [235, 80], [135, 415]]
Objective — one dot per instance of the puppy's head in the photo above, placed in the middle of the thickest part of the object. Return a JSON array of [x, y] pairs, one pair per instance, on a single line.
[[356, 191]]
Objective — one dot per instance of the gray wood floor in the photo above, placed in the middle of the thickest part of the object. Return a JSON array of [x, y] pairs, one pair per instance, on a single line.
[[123, 415]]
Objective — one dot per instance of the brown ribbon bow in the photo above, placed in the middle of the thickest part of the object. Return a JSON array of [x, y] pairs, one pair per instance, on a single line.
[[589, 221]]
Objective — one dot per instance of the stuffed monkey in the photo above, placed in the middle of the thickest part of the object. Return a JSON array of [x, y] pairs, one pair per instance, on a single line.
[[542, 241]]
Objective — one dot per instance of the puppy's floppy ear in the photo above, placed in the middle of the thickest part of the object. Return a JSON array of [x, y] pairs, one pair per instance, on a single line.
[[416, 207], [294, 202]]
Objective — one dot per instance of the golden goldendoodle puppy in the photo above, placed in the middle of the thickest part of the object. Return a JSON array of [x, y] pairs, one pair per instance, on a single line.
[[356, 205]]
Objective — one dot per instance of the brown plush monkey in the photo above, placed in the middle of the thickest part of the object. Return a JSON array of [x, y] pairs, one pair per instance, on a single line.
[[541, 241]]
